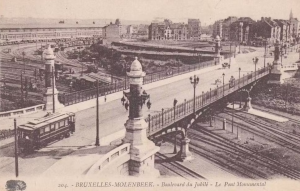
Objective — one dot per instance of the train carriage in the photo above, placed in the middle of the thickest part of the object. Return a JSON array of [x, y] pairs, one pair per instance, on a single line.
[[40, 132]]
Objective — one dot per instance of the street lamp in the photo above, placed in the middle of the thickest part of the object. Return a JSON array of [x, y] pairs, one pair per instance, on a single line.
[[255, 60], [239, 86], [23, 53], [194, 82], [265, 42], [97, 116], [223, 83]]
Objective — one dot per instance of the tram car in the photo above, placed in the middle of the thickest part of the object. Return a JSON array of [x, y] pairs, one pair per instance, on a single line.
[[38, 133]]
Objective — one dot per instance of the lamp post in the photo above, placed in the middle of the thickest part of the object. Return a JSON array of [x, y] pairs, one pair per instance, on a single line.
[[281, 54], [23, 53], [53, 95], [230, 54], [194, 82], [265, 41], [97, 115], [239, 86], [16, 149], [223, 83], [255, 60], [175, 141]]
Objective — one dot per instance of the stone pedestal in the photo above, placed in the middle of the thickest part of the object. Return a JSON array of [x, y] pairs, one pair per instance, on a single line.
[[248, 105], [142, 150], [224, 124], [48, 100], [275, 76], [185, 154], [219, 59]]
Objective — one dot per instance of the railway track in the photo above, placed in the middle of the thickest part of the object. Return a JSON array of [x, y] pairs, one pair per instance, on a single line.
[[241, 152], [268, 132], [178, 168]]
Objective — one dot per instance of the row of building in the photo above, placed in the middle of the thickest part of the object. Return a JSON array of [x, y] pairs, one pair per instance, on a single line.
[[113, 31], [42, 33], [247, 31], [167, 30]]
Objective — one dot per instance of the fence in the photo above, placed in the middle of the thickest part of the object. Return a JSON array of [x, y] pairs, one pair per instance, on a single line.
[[22, 111], [172, 115], [84, 95]]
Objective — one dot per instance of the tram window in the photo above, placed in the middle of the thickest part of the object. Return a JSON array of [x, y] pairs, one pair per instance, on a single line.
[[42, 130], [66, 121], [62, 123], [47, 128], [52, 127]]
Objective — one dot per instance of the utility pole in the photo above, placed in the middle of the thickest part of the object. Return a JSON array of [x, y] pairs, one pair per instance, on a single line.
[[232, 115], [22, 99], [265, 53], [53, 98], [16, 148], [230, 54], [97, 116]]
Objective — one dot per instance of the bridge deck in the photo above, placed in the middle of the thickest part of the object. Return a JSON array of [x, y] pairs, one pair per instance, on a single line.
[[168, 117]]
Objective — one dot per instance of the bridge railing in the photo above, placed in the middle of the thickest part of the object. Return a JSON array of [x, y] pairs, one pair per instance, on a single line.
[[169, 116], [84, 95]]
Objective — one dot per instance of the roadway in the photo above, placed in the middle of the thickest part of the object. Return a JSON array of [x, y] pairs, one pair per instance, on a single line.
[[113, 116]]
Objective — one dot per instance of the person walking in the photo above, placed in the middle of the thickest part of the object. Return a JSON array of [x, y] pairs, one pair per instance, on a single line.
[[126, 106], [175, 102]]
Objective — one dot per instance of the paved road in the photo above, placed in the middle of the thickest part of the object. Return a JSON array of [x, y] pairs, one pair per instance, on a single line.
[[113, 114]]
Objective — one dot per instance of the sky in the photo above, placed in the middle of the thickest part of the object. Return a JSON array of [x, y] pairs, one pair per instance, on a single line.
[[207, 11]]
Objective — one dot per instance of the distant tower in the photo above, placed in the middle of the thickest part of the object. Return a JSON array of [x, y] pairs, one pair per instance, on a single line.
[[291, 15]]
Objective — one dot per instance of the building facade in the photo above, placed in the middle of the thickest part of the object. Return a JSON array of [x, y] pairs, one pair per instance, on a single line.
[[226, 27], [35, 33], [218, 29], [285, 35], [167, 30], [267, 29], [294, 27], [194, 29], [242, 30]]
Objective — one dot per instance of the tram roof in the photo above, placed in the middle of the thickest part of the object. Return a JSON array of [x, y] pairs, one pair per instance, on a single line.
[[46, 120]]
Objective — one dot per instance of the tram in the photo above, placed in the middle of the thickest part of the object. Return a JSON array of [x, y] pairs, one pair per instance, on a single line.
[[40, 132]]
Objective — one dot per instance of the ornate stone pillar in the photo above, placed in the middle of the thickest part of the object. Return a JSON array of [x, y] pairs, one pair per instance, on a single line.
[[185, 154], [218, 57], [142, 151], [276, 73], [51, 93]]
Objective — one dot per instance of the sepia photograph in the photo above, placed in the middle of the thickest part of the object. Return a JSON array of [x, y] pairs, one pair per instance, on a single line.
[[149, 95]]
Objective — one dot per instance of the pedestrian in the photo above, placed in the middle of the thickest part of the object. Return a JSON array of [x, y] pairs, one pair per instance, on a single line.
[[126, 105], [105, 98], [123, 100], [148, 104], [175, 102]]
